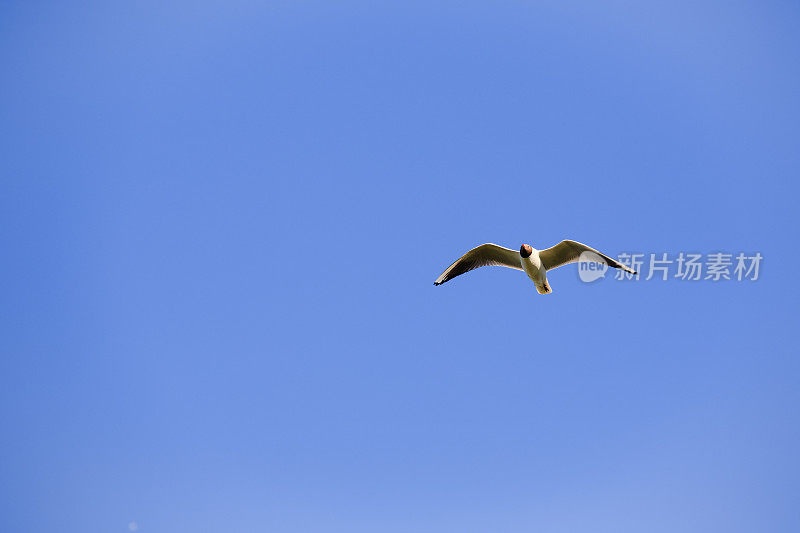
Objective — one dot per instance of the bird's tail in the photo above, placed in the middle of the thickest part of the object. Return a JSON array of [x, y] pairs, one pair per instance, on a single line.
[[544, 288]]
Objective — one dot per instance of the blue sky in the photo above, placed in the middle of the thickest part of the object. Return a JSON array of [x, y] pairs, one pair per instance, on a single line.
[[221, 222]]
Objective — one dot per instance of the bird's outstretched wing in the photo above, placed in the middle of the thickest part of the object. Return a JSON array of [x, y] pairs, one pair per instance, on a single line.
[[484, 255], [567, 252]]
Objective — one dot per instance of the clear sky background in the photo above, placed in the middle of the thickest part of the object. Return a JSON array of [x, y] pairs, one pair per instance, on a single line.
[[220, 223]]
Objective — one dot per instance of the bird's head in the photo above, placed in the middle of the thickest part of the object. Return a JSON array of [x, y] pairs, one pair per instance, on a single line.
[[525, 250]]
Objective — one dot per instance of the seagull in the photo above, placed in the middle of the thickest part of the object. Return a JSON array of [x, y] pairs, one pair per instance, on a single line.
[[534, 262]]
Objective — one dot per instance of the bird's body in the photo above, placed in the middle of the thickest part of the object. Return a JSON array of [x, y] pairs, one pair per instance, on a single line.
[[532, 265], [535, 263]]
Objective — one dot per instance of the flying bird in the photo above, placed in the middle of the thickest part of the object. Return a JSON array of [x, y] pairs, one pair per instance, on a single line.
[[534, 262]]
